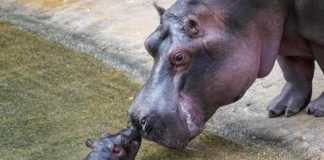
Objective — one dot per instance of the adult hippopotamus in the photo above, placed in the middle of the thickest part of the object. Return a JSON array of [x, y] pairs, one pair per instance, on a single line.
[[207, 53], [123, 145]]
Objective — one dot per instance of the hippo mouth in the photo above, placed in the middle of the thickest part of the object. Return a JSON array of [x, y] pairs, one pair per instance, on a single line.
[[134, 137], [168, 138], [131, 139], [174, 129], [174, 138]]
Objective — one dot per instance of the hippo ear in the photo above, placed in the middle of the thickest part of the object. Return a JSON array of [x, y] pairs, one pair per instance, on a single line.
[[159, 9], [89, 143], [192, 26]]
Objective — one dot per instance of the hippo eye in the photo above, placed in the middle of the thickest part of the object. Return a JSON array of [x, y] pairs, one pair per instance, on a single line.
[[178, 58], [180, 61]]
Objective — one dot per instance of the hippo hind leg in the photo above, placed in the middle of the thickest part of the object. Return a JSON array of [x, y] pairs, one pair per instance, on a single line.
[[296, 94], [316, 107]]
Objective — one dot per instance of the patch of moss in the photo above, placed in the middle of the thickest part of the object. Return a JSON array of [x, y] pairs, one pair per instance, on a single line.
[[53, 98]]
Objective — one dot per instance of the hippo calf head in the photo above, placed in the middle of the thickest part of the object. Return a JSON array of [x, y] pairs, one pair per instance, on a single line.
[[204, 58], [121, 146]]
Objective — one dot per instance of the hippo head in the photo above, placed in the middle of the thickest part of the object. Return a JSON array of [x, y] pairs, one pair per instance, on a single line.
[[121, 146], [204, 58]]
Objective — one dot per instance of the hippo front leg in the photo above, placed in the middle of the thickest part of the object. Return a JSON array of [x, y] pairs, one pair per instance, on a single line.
[[295, 95], [316, 107]]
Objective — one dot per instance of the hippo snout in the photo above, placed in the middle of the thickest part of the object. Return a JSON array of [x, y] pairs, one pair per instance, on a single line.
[[163, 127]]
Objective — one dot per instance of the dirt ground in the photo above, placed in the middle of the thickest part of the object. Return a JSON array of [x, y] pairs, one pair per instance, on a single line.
[[114, 31]]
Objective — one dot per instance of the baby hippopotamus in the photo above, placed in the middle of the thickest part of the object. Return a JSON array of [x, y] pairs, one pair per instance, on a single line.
[[121, 146]]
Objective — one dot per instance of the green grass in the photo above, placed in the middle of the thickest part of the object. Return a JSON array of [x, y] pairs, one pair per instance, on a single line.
[[53, 98]]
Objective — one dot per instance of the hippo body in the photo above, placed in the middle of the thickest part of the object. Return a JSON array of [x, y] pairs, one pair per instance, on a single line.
[[207, 53], [121, 146]]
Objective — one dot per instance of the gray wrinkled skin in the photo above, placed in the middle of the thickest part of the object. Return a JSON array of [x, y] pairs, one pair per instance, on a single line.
[[207, 53]]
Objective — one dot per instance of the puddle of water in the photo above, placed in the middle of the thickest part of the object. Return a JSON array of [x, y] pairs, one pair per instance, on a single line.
[[45, 4]]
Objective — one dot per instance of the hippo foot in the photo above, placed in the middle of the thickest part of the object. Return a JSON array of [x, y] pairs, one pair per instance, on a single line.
[[316, 107], [291, 100]]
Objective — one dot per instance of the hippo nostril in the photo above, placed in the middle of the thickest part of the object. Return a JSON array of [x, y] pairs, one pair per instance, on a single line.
[[142, 124], [147, 127], [143, 121]]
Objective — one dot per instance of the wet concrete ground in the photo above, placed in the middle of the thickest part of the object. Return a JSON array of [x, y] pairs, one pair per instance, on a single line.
[[114, 31]]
